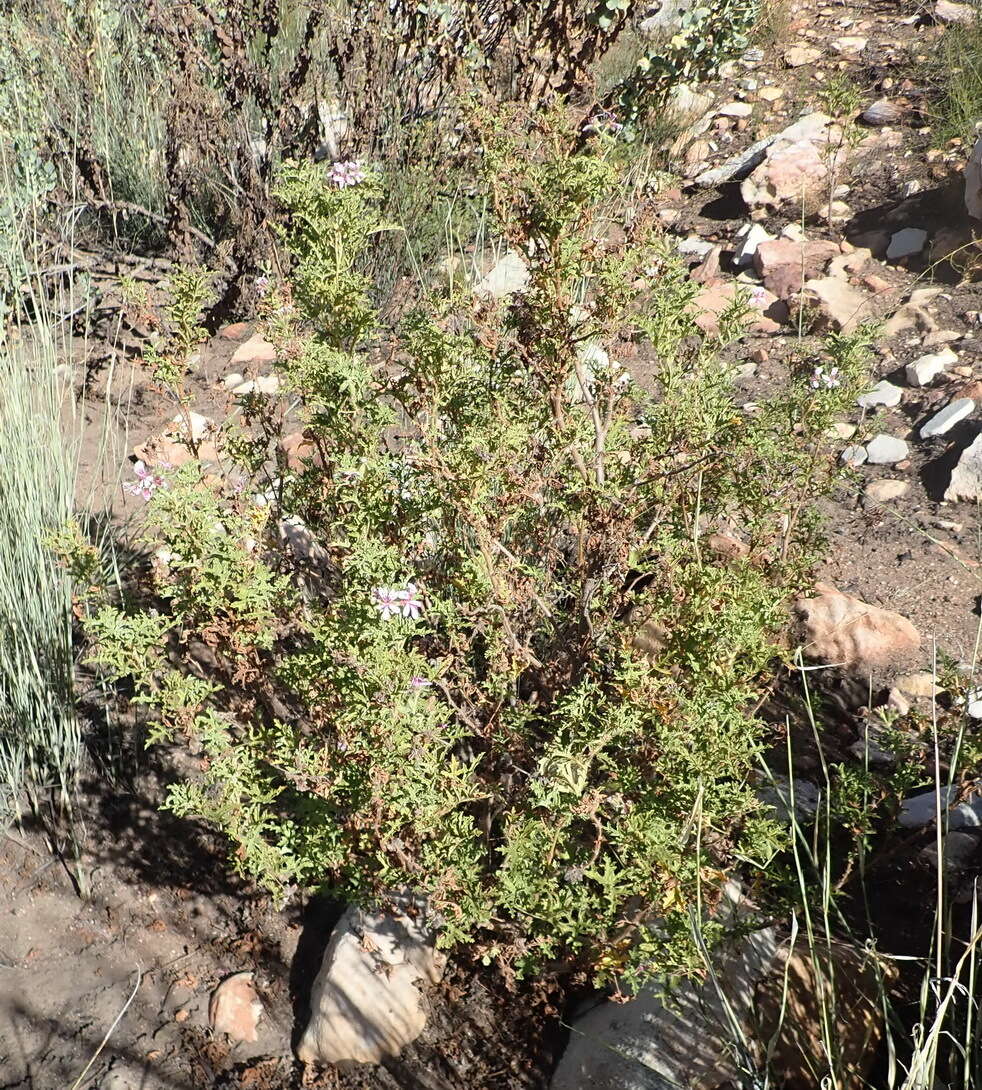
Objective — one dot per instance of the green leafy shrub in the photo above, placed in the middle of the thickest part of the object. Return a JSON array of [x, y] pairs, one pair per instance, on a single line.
[[510, 659]]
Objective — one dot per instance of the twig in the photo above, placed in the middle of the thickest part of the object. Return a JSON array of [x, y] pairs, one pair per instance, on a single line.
[[102, 1044], [139, 210]]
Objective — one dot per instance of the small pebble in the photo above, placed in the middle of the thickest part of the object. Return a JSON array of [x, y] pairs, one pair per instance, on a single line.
[[854, 456]]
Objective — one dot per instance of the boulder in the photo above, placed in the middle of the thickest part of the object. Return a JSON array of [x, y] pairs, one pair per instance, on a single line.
[[795, 169], [710, 303], [367, 1001], [839, 629], [966, 477], [684, 1040]]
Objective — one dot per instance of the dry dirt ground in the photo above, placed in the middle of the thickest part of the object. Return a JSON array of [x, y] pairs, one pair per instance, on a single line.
[[107, 959]]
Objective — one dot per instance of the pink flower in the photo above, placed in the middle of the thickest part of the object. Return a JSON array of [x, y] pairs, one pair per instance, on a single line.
[[349, 172], [147, 482], [387, 602], [419, 683], [411, 604]]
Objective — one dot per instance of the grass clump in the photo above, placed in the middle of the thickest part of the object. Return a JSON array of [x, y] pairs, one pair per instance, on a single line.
[[512, 665], [40, 736]]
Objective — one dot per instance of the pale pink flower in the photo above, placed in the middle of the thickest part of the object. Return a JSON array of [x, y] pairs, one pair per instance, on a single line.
[[347, 173], [147, 482], [388, 602], [411, 604]]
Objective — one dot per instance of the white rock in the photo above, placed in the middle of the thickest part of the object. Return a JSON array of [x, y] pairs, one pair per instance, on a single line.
[[688, 105], [854, 456], [508, 275], [885, 450], [966, 477], [920, 810], [849, 45], [255, 350], [366, 1002], [736, 109], [264, 384], [924, 370], [750, 236], [948, 11], [651, 1044], [235, 1008], [883, 393], [693, 246], [906, 243], [232, 380], [949, 416]]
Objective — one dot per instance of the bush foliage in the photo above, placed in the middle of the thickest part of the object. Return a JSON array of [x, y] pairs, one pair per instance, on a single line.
[[494, 631]]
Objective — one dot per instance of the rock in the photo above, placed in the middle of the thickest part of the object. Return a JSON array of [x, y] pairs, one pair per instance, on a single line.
[[183, 439], [237, 331], [771, 999], [920, 684], [794, 167], [922, 809], [710, 303], [913, 314], [841, 306], [973, 181], [664, 18], [770, 93], [785, 265], [949, 416], [885, 490], [735, 109], [966, 477], [927, 368], [263, 384], [366, 1002], [973, 705], [843, 630], [737, 166], [886, 450], [781, 791], [942, 337], [235, 1008], [842, 430], [854, 456], [298, 451], [688, 105], [883, 112], [694, 247], [947, 11], [849, 45], [868, 750], [508, 275], [906, 243], [750, 236], [255, 350], [957, 848], [883, 393], [800, 55]]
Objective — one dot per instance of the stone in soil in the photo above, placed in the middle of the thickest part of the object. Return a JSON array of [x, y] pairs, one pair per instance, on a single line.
[[841, 306], [235, 1008], [886, 450], [906, 243], [952, 414], [854, 456], [255, 350], [883, 112], [710, 303], [840, 629], [885, 490], [883, 394], [849, 45], [966, 477], [785, 265], [927, 368], [507, 276], [800, 55]]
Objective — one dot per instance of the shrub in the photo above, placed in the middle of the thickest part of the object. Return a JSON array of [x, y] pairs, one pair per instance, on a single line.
[[511, 657]]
